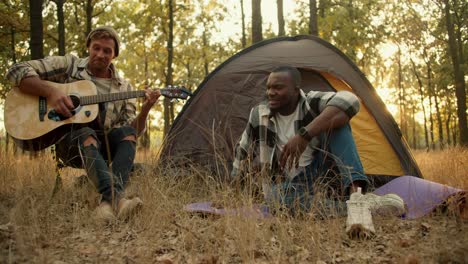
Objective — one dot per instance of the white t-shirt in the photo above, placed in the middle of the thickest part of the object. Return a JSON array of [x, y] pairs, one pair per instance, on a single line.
[[285, 130], [103, 85]]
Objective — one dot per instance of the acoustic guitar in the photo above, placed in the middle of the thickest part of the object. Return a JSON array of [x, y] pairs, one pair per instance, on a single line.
[[35, 125]]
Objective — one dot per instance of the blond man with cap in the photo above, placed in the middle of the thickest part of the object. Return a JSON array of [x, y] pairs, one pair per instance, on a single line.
[[116, 128]]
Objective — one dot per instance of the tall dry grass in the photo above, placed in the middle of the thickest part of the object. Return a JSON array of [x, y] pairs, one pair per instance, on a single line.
[[38, 228], [449, 166], [61, 228]]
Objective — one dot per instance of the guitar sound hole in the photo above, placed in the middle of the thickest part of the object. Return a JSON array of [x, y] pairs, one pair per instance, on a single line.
[[75, 100]]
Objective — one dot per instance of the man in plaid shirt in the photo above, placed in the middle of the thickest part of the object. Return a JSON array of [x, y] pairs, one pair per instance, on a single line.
[[116, 129], [298, 140]]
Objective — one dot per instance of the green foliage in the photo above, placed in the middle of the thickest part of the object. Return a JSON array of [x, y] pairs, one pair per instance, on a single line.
[[359, 28], [355, 27], [14, 27]]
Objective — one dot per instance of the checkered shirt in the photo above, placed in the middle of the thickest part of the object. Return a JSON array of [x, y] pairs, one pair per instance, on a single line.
[[69, 68], [258, 141]]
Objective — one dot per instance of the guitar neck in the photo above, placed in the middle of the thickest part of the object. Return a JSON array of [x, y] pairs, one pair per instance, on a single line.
[[102, 98]]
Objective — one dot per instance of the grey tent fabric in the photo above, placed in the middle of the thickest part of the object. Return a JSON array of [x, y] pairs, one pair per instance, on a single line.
[[211, 122]]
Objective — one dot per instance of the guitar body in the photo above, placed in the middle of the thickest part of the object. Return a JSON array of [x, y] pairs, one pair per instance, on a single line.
[[32, 122]]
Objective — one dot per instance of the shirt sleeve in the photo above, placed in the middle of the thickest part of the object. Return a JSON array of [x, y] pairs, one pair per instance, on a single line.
[[54, 68], [127, 112], [344, 100], [242, 147]]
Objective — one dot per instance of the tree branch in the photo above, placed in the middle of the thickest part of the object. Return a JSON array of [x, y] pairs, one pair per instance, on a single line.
[[103, 9]]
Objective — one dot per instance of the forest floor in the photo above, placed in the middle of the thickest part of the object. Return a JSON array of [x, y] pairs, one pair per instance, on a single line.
[[36, 228]]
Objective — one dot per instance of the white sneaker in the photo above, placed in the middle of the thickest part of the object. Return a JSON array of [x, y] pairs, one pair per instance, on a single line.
[[128, 207], [104, 213], [359, 221], [385, 205]]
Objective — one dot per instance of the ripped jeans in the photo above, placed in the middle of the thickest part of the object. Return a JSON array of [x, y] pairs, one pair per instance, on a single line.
[[334, 168], [96, 160]]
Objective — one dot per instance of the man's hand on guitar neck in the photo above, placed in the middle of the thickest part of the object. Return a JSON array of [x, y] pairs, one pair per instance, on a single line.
[[151, 97], [57, 98]]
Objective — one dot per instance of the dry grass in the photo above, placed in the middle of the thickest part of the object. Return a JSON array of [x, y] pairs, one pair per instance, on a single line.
[[35, 228], [448, 166]]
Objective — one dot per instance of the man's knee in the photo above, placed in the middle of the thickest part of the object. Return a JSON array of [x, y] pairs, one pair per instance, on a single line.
[[125, 133], [90, 140], [131, 138], [87, 137]]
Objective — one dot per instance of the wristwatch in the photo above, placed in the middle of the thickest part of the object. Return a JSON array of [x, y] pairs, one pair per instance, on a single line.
[[304, 133]]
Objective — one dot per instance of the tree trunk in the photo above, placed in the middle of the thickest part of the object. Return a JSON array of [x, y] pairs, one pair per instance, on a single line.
[[89, 16], [313, 24], [145, 138], [454, 132], [168, 110], [88, 6], [447, 127], [431, 123], [13, 43], [401, 97], [244, 38], [415, 135], [37, 45], [322, 7], [205, 48], [256, 21], [171, 112], [421, 96], [280, 18], [451, 119], [430, 93], [439, 122], [457, 59], [61, 26]]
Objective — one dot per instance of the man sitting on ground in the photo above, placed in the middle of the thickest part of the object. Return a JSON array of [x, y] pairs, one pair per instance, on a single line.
[[301, 139]]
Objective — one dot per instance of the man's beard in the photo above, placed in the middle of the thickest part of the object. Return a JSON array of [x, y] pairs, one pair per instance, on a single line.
[[98, 66]]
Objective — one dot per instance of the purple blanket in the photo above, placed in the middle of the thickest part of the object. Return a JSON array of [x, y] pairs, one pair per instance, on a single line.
[[256, 211], [421, 197]]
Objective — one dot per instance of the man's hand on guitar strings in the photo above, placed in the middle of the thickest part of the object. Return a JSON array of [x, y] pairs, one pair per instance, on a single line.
[[60, 101]]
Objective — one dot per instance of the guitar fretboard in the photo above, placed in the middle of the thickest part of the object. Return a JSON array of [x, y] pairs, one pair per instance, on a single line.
[[101, 98]]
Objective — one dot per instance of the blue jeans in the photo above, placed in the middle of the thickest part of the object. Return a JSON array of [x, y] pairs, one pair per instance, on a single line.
[[96, 160], [335, 166]]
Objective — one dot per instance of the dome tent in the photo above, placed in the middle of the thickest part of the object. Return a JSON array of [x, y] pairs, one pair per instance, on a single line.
[[211, 122]]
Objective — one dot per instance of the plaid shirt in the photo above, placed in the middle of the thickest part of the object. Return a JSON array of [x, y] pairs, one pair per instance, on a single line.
[[69, 68], [260, 136]]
